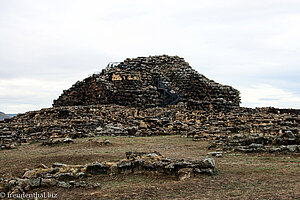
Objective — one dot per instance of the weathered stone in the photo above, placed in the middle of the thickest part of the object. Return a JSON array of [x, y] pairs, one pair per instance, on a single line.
[[239, 122], [80, 175], [97, 168], [68, 140], [63, 185], [48, 182], [256, 143], [57, 141], [255, 146], [41, 165], [148, 82], [29, 174], [56, 164], [24, 183], [96, 185], [125, 167], [106, 142], [208, 163], [289, 134], [185, 173], [292, 148], [207, 171], [17, 190], [216, 154], [66, 176], [35, 182]]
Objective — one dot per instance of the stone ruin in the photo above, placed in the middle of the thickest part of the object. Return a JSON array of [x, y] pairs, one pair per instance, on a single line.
[[149, 82], [74, 176], [136, 97], [53, 125], [133, 98], [288, 142]]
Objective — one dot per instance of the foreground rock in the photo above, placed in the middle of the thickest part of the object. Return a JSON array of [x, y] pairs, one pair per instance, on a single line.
[[70, 176]]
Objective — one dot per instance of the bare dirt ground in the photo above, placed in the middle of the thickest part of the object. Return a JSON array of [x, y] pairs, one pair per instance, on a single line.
[[238, 176]]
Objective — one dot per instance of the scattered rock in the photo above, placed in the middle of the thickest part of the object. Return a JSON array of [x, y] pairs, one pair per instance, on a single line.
[[57, 164], [29, 174], [185, 173], [106, 142], [48, 182], [63, 185], [216, 154], [66, 176], [58, 141]]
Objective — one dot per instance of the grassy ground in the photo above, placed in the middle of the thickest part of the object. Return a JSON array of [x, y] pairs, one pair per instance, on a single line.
[[239, 176]]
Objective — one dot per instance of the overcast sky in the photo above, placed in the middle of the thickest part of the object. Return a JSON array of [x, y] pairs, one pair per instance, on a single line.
[[47, 45]]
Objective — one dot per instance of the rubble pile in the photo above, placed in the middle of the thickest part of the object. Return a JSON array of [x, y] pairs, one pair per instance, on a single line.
[[68, 176], [247, 121], [52, 141], [149, 82], [257, 143], [48, 124], [114, 120]]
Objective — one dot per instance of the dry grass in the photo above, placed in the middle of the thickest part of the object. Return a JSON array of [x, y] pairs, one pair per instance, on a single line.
[[239, 176]]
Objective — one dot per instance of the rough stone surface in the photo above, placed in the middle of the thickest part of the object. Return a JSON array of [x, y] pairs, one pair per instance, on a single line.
[[46, 125], [70, 176], [149, 82], [258, 143], [156, 95], [216, 153], [96, 168]]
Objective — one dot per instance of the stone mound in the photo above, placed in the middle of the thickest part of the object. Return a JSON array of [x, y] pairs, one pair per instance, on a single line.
[[149, 82]]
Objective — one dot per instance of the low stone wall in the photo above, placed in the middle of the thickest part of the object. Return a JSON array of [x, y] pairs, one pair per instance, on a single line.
[[288, 142], [68, 176]]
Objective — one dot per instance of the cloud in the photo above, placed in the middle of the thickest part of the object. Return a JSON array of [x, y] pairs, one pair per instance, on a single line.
[[263, 95], [235, 42], [19, 95]]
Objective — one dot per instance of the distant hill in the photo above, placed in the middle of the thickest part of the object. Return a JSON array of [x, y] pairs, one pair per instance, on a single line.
[[4, 116]]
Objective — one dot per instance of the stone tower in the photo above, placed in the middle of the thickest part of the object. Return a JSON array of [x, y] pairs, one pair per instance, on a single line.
[[149, 82]]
